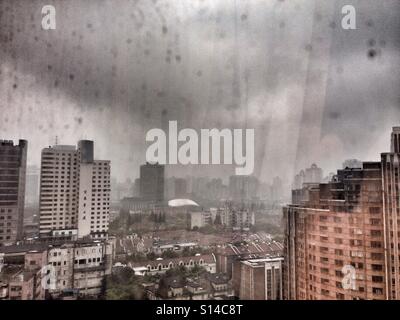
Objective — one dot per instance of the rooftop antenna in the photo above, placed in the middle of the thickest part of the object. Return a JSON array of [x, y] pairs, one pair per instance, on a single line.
[[56, 140]]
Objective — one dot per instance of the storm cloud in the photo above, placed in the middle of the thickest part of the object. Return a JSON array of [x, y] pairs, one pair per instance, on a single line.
[[112, 70]]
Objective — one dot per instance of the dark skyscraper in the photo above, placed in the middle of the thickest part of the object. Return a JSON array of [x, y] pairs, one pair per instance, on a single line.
[[180, 188], [12, 190], [152, 182]]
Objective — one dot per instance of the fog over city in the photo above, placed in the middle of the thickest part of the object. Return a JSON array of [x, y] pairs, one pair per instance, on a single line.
[[112, 70]]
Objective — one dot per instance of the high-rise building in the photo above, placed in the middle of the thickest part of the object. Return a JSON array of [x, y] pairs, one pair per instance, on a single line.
[[342, 238], [217, 190], [390, 164], [314, 174], [243, 187], [12, 190], [180, 188], [74, 192], [277, 193], [136, 188], [199, 186], [152, 182], [258, 278], [169, 188]]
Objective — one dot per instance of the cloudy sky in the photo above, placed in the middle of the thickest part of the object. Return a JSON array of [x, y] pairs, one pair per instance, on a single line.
[[113, 69]]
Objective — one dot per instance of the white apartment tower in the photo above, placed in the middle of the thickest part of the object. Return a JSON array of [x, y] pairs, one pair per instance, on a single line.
[[74, 192]]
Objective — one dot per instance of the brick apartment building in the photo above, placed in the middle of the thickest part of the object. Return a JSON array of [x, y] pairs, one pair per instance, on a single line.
[[350, 223]]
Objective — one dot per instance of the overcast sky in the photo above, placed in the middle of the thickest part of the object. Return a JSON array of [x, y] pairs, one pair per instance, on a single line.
[[112, 70]]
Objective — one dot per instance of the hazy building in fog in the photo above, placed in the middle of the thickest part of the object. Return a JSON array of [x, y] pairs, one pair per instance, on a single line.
[[152, 182], [299, 179], [314, 174], [169, 188], [217, 190], [74, 192], [277, 193], [329, 177], [12, 189], [180, 188], [176, 188], [121, 190], [137, 204], [32, 185], [243, 187], [199, 186], [136, 188]]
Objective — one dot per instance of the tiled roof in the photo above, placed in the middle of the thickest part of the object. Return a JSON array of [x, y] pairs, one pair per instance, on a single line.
[[207, 258], [254, 247]]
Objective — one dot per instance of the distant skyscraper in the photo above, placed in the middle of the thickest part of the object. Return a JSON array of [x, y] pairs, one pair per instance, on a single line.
[[169, 188], [12, 190], [74, 192], [180, 188], [216, 189], [314, 174], [299, 179], [243, 187], [199, 186], [136, 188], [152, 182], [277, 189], [32, 185]]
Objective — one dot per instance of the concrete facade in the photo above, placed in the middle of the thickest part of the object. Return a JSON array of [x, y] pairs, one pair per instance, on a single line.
[[74, 192]]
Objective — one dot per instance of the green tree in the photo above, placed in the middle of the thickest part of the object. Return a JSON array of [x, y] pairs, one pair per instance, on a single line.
[[168, 254], [122, 284]]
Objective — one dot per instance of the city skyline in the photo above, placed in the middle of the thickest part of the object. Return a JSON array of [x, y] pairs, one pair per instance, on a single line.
[[212, 150]]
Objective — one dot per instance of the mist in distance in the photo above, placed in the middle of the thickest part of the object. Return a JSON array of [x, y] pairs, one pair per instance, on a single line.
[[111, 71]]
